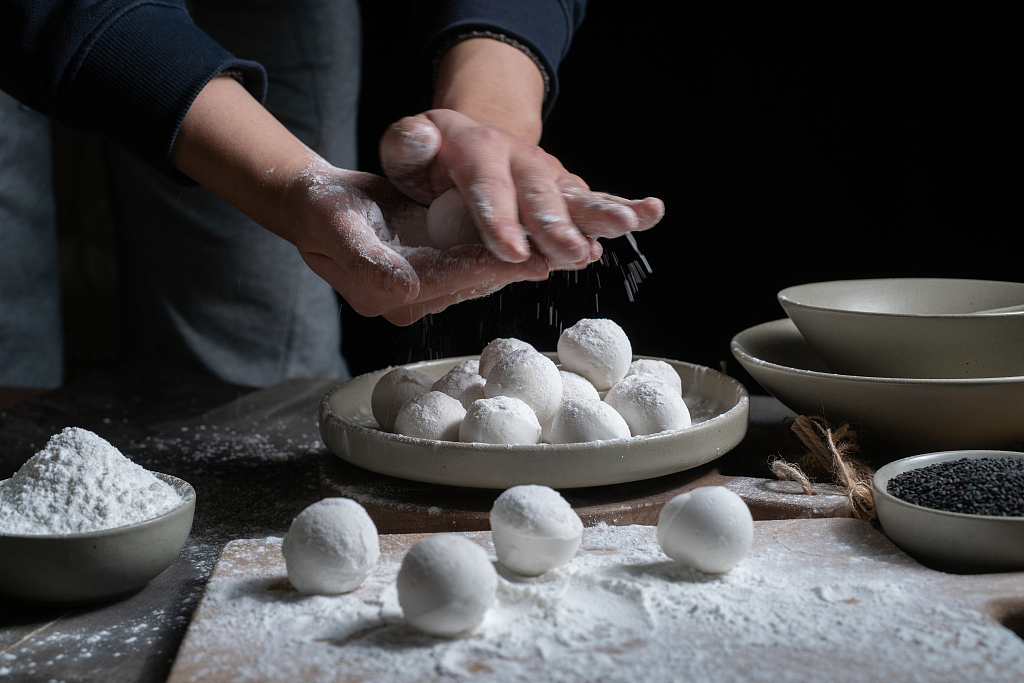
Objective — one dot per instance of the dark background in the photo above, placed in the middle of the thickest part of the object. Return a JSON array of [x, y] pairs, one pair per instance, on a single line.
[[788, 147]]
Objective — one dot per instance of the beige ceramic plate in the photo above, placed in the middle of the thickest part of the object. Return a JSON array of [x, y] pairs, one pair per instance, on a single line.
[[99, 565], [719, 407], [912, 327], [898, 417], [949, 541]]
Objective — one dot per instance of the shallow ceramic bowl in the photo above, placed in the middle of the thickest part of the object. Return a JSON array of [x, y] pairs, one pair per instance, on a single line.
[[913, 327], [949, 541], [98, 565], [719, 408], [897, 417]]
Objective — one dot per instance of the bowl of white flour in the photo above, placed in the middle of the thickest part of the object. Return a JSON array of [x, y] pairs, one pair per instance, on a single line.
[[81, 523]]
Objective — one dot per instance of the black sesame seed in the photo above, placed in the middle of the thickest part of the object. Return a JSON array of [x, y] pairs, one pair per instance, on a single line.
[[976, 486]]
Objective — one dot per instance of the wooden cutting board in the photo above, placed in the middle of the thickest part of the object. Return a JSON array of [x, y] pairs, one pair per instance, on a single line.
[[814, 599]]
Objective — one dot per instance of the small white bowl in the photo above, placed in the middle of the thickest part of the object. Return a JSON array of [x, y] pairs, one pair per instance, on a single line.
[[949, 541], [919, 328], [98, 565]]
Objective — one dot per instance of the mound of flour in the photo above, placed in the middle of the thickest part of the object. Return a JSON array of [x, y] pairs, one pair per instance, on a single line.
[[81, 483]]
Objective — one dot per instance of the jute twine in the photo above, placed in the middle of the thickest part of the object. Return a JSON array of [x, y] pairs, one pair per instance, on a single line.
[[830, 454]]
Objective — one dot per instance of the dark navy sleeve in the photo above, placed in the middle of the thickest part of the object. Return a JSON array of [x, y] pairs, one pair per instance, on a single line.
[[544, 27], [127, 70]]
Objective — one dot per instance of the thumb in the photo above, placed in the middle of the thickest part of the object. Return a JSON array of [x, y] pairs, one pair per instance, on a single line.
[[407, 149]]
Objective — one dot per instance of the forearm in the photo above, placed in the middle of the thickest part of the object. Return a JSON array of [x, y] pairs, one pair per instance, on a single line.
[[494, 84], [234, 147]]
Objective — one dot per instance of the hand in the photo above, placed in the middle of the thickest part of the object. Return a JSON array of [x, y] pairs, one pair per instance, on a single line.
[[516, 193], [369, 241]]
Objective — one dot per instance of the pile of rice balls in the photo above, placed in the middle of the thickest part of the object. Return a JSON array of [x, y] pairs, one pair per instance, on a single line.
[[516, 395], [447, 583]]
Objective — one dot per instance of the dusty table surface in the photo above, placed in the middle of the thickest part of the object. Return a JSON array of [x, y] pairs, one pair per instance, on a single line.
[[254, 458]]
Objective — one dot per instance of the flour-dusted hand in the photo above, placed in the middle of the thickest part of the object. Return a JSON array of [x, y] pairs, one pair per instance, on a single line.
[[515, 192]]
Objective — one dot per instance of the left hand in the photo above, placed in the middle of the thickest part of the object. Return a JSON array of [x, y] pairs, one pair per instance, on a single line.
[[516, 193]]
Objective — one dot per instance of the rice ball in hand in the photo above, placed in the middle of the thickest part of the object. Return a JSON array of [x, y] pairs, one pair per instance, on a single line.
[[596, 348], [446, 585], [392, 390], [432, 415], [534, 529], [331, 547], [648, 405], [709, 528]]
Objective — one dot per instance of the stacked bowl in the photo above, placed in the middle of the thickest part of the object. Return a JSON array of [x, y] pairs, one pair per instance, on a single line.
[[917, 364]]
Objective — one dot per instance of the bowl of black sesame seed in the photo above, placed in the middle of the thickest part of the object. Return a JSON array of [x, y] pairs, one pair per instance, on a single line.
[[955, 511]]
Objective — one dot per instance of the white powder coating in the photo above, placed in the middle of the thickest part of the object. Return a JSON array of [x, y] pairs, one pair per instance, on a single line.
[[462, 382], [432, 415], [331, 547], [596, 348], [446, 585], [529, 376], [499, 348], [392, 390], [648, 406], [79, 483], [500, 420], [449, 222], [658, 369], [580, 420], [534, 529], [709, 528], [573, 386]]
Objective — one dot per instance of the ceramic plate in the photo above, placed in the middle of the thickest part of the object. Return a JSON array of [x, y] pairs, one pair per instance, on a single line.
[[719, 407], [949, 541], [897, 417]]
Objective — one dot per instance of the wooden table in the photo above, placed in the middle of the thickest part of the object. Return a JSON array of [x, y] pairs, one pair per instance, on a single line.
[[255, 460]]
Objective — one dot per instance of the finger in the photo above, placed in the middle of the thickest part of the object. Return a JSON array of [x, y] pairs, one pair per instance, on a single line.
[[468, 267], [604, 215], [407, 150], [543, 210]]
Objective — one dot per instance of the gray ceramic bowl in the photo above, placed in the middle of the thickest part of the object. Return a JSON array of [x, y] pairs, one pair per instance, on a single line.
[[949, 541], [718, 404], [98, 565], [898, 417], [912, 327]]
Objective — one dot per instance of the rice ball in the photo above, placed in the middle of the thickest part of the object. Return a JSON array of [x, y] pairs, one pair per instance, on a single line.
[[580, 420], [529, 376], [534, 529], [463, 382], [659, 369], [596, 348], [498, 348], [709, 528], [331, 547], [573, 386], [432, 415], [500, 420], [392, 390], [446, 585], [649, 406]]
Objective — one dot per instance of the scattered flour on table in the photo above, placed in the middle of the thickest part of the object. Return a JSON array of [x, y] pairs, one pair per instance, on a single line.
[[619, 611], [80, 483]]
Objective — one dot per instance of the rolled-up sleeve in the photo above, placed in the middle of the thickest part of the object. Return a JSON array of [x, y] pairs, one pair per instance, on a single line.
[[126, 70]]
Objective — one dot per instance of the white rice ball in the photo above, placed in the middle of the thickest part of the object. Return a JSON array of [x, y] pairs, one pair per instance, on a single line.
[[500, 420], [331, 547], [392, 390], [659, 369], [596, 348], [529, 376], [649, 406], [573, 386], [534, 529], [432, 415], [446, 585], [580, 420], [463, 382], [498, 348], [709, 528]]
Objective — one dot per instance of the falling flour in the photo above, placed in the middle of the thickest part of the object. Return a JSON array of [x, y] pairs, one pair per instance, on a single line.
[[80, 483]]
